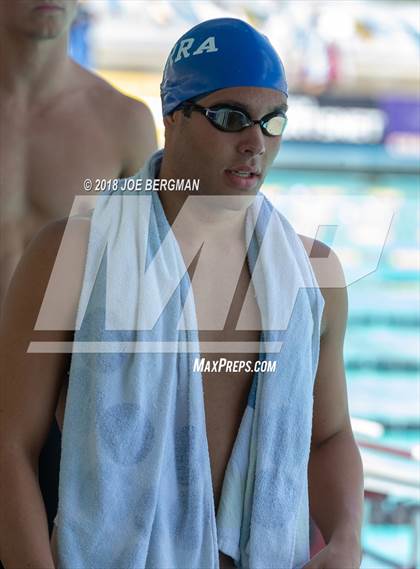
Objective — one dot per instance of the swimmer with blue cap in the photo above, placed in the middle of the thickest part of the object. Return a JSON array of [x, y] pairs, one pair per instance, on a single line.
[[149, 443], [224, 102]]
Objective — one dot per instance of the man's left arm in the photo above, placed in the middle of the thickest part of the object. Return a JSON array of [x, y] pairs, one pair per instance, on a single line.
[[138, 138], [335, 468]]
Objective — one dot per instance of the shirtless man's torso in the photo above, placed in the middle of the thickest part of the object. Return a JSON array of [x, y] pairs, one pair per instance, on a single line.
[[59, 125], [226, 393]]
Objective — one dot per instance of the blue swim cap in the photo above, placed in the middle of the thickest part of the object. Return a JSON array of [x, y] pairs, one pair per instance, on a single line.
[[218, 54]]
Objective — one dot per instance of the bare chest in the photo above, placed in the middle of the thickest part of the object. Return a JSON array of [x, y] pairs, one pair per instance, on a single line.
[[229, 356], [225, 350], [45, 159]]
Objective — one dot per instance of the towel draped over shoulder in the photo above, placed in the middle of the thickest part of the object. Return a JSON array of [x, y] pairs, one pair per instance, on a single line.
[[135, 481]]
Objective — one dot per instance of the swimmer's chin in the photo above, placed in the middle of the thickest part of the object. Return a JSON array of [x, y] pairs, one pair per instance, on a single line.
[[228, 202]]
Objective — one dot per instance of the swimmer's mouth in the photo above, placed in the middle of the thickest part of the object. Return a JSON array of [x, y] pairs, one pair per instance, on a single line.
[[244, 172], [243, 178]]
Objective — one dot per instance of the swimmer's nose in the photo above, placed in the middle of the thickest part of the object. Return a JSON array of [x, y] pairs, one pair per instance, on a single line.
[[251, 141]]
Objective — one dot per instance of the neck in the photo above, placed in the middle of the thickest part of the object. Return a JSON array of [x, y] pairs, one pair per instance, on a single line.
[[33, 68], [202, 216]]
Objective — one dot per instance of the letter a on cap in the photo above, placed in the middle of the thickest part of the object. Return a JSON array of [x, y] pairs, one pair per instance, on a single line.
[[208, 45]]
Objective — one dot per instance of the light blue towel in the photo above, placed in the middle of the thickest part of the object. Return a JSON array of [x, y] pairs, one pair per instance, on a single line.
[[135, 482]]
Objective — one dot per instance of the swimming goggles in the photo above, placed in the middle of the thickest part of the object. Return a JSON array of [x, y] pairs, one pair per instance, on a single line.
[[232, 119]]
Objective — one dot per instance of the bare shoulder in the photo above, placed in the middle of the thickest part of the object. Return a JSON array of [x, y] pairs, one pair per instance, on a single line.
[[48, 241], [128, 120], [331, 280], [44, 247], [325, 263], [137, 133], [54, 260], [107, 99], [110, 99]]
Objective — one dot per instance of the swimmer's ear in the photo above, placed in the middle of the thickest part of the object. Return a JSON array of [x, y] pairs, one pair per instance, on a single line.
[[169, 124], [173, 119], [169, 120], [172, 123]]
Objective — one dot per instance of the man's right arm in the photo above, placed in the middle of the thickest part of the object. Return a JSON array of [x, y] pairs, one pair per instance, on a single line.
[[30, 386]]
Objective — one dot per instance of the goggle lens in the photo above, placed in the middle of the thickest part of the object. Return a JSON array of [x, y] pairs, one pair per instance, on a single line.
[[231, 120], [275, 125], [234, 120]]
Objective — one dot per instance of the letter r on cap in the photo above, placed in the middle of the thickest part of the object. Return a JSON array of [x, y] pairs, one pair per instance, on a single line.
[[184, 47]]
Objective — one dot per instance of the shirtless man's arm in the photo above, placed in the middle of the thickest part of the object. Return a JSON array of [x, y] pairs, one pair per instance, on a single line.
[[140, 140], [30, 386], [126, 121], [114, 137], [335, 469]]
